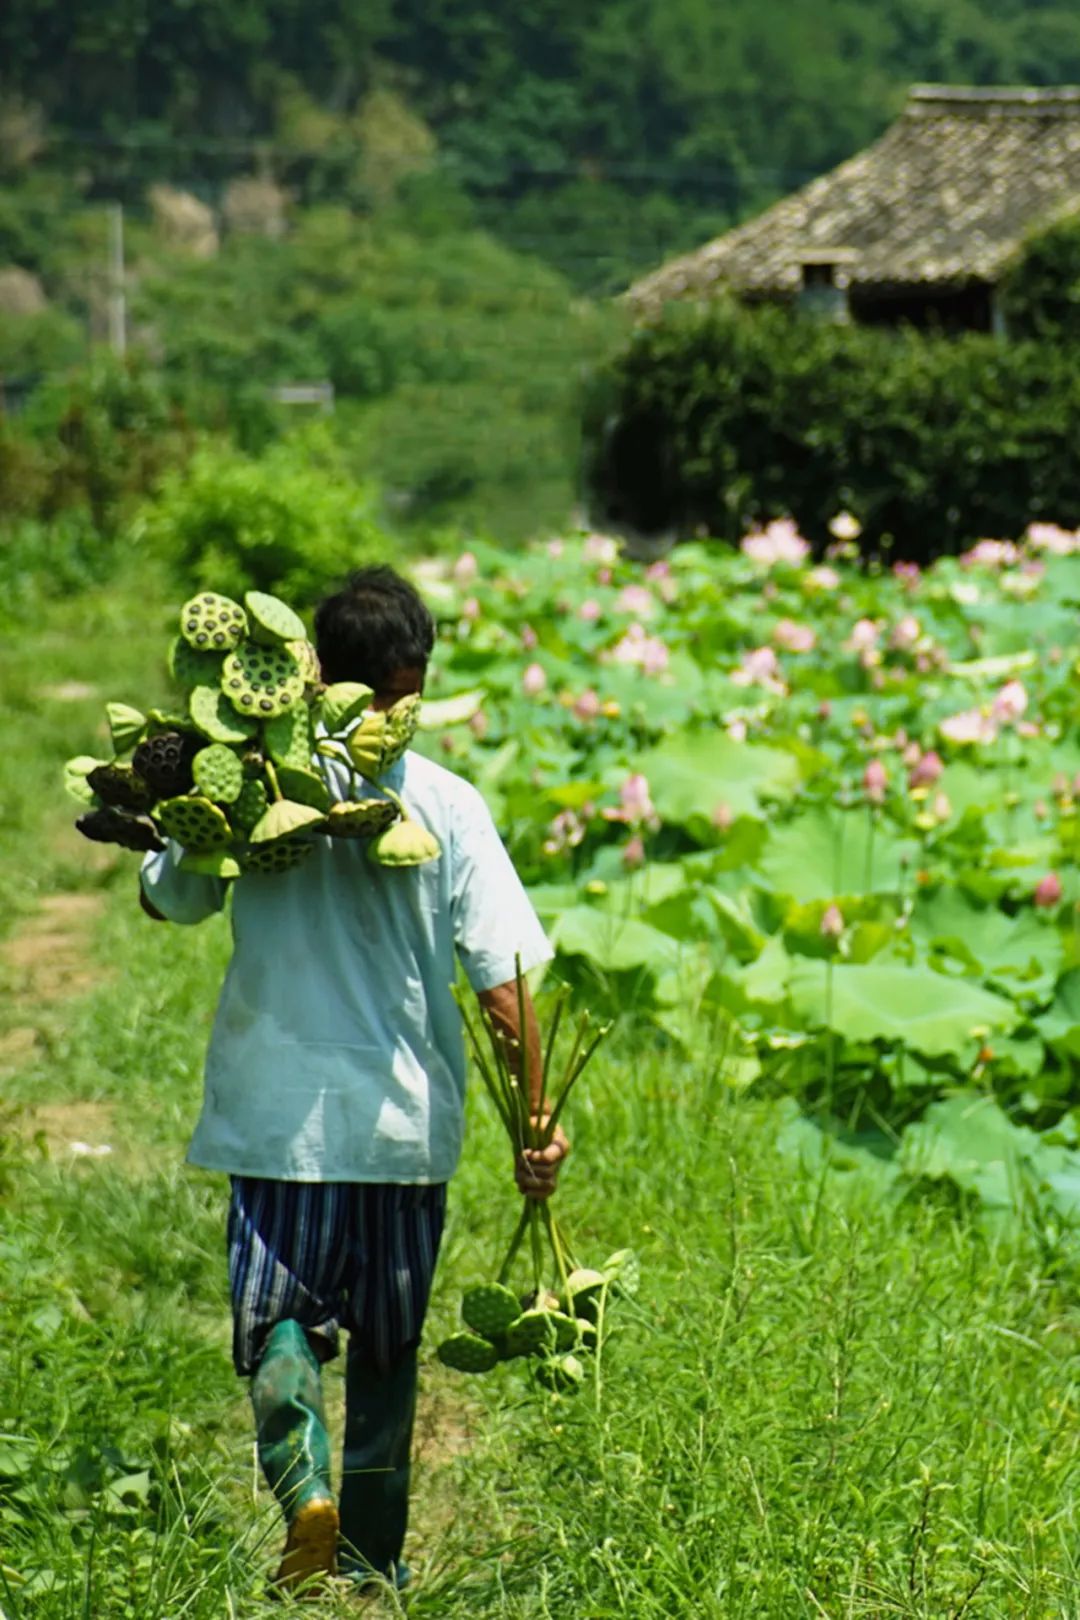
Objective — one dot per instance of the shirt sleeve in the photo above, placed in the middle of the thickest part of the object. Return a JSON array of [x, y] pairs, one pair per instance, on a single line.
[[494, 920], [181, 897]]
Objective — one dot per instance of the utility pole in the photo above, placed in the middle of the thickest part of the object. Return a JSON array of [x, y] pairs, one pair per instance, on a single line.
[[117, 293]]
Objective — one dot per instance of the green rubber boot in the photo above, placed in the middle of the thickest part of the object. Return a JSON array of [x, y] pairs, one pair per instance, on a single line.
[[294, 1450], [379, 1412]]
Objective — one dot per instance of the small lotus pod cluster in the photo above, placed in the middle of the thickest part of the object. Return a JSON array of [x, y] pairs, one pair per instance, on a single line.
[[555, 1331], [238, 776]]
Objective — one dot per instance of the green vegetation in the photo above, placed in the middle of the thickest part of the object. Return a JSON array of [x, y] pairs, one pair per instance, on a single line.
[[709, 420]]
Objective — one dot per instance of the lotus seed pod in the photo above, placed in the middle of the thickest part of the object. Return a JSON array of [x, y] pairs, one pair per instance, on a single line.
[[623, 1272], [304, 787], [282, 820], [76, 772], [215, 863], [467, 1353], [585, 1288], [561, 1373], [530, 1333], [159, 720], [195, 823], [402, 719], [249, 806], [361, 818], [212, 623], [308, 659], [406, 843], [489, 1309], [217, 719], [272, 620], [126, 726], [343, 702], [218, 773], [567, 1330], [262, 681], [588, 1337], [281, 855], [367, 744], [189, 668], [164, 762], [288, 739], [120, 786], [111, 826]]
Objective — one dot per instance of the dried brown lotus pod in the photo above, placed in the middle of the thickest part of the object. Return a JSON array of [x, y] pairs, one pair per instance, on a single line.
[[111, 826]]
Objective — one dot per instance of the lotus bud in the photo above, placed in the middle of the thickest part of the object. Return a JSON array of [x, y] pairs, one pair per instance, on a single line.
[[832, 922], [1048, 890], [926, 770], [534, 680], [875, 782]]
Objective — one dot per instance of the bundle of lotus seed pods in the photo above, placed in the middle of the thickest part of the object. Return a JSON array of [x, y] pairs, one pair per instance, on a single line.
[[237, 773], [555, 1327]]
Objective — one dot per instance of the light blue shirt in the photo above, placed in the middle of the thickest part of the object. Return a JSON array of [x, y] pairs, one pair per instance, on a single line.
[[337, 1052]]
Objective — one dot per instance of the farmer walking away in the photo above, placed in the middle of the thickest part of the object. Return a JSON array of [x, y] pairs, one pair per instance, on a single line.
[[334, 1095]]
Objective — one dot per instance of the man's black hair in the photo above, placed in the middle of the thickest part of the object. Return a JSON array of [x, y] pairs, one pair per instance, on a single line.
[[374, 625]]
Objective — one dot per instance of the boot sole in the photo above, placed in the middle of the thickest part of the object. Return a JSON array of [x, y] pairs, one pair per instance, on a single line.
[[311, 1549]]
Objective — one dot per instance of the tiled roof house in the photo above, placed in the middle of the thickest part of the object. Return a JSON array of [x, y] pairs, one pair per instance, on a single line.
[[919, 226]]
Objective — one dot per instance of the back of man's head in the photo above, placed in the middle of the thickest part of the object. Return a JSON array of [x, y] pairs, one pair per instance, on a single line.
[[372, 628]]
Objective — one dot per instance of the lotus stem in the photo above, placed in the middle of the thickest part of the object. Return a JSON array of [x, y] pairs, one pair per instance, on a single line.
[[275, 786], [515, 1244]]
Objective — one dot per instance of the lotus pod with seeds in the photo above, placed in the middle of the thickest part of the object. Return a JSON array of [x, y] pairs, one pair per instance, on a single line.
[[159, 720], [272, 621], [288, 739], [304, 787], [195, 823], [189, 668], [111, 826], [217, 719], [126, 726], [213, 623], [282, 820], [262, 681], [120, 786], [489, 1309], [218, 773], [211, 863], [76, 772], [402, 719], [584, 1288], [541, 1299], [164, 762], [308, 659], [623, 1272], [561, 1373], [568, 1330], [467, 1352], [367, 744], [360, 818], [280, 856], [249, 805], [588, 1337], [531, 1333], [343, 702], [406, 843]]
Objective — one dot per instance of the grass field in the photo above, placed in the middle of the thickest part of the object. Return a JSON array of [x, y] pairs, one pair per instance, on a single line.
[[823, 1403]]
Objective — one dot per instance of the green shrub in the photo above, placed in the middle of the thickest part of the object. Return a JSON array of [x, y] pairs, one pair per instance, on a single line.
[[1040, 294], [715, 419], [291, 523]]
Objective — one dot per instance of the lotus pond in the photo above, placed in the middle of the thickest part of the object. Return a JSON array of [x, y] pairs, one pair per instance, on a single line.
[[816, 816]]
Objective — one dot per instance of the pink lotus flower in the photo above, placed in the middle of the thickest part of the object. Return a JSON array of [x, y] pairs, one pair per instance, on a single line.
[[779, 542], [926, 770], [990, 554], [661, 569], [600, 548], [633, 852], [465, 569], [822, 578], [534, 680], [635, 804], [1048, 890], [1048, 537], [759, 667], [722, 816], [832, 921], [637, 599], [603, 576], [969, 726], [648, 652], [845, 526], [589, 610], [566, 831], [906, 633], [1010, 703], [864, 636], [735, 727], [908, 573], [793, 637], [555, 548], [875, 782], [529, 638], [587, 706]]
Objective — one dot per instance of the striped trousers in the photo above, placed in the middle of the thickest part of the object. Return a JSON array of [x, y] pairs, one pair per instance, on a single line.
[[332, 1255]]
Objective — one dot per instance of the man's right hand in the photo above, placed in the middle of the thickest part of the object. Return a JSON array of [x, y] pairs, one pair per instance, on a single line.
[[536, 1170]]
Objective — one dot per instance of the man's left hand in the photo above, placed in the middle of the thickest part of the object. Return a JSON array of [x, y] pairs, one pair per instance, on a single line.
[[536, 1169]]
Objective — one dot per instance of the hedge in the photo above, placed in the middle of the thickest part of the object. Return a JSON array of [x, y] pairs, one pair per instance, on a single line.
[[712, 420]]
